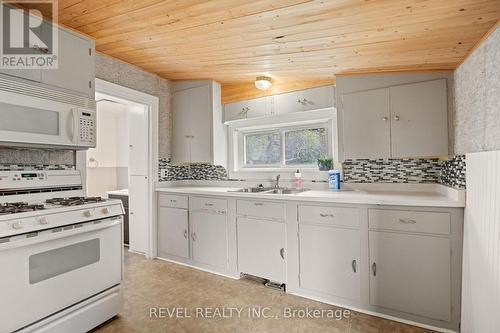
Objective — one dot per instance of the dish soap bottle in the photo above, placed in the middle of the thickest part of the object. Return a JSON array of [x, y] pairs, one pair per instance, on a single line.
[[298, 180]]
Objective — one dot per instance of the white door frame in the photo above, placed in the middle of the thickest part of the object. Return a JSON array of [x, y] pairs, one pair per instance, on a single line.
[[152, 102]]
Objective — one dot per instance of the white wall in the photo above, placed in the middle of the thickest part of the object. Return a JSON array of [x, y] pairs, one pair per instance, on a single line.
[[110, 171], [481, 256]]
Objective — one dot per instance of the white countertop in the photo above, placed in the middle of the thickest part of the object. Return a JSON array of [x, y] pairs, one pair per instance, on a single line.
[[433, 196], [123, 192]]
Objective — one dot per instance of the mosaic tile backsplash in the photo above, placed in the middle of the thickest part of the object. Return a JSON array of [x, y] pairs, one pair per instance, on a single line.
[[36, 159], [190, 172], [450, 172]]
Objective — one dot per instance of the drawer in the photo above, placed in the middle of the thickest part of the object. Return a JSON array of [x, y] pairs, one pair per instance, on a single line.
[[344, 216], [174, 201], [411, 221], [204, 204], [265, 209]]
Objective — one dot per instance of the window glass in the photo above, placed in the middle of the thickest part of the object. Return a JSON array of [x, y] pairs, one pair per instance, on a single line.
[[262, 149], [305, 146]]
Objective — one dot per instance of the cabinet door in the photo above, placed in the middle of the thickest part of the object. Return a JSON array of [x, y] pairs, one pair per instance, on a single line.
[[209, 239], [259, 107], [419, 123], [173, 232], [367, 126], [138, 213], [200, 128], [318, 98], [411, 273], [181, 124], [137, 122], [235, 111], [289, 103], [266, 257], [330, 260], [75, 65]]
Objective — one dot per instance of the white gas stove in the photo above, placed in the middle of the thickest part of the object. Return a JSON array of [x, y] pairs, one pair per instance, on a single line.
[[61, 253]]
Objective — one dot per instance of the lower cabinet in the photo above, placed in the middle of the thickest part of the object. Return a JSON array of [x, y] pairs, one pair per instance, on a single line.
[[411, 273], [173, 232], [330, 260], [261, 248], [209, 239]]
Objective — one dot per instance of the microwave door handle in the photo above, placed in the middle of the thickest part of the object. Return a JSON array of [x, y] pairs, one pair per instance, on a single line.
[[74, 127], [61, 234]]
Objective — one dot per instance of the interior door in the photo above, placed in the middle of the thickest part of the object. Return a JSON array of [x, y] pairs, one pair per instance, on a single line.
[[75, 66], [367, 124], [137, 120], [411, 273], [209, 239], [419, 114], [200, 124], [173, 233], [330, 260], [265, 258], [138, 213]]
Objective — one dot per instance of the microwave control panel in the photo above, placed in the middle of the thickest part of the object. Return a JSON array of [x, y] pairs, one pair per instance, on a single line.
[[87, 128]]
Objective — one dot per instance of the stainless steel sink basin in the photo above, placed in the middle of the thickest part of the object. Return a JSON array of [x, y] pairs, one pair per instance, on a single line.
[[284, 190], [252, 190], [269, 190]]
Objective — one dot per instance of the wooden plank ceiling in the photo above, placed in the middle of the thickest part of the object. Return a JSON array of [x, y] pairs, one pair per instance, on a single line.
[[233, 41]]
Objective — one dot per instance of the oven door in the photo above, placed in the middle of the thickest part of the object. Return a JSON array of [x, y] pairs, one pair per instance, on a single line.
[[44, 274], [33, 121]]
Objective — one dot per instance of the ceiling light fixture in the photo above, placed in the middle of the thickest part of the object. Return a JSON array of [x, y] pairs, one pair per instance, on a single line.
[[263, 82]]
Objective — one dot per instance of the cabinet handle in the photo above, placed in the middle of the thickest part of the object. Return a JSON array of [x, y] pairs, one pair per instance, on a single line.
[[407, 221], [258, 204], [385, 118], [185, 233], [282, 253], [326, 215], [353, 264], [193, 236], [208, 204], [374, 269], [173, 201], [396, 118]]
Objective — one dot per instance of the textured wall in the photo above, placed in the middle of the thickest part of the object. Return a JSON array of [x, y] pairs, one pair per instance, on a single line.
[[116, 71], [477, 99]]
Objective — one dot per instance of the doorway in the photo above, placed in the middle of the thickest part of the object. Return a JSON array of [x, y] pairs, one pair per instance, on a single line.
[[124, 161]]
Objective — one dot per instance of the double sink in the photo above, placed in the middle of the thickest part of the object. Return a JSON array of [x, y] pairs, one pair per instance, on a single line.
[[270, 190]]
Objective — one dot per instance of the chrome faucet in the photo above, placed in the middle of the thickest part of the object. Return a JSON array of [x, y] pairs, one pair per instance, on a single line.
[[277, 185]]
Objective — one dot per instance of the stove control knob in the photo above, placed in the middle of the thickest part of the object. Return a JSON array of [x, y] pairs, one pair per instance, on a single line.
[[88, 213], [17, 225], [105, 210], [43, 220]]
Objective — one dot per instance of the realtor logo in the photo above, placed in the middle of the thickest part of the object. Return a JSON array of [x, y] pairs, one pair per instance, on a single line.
[[29, 40]]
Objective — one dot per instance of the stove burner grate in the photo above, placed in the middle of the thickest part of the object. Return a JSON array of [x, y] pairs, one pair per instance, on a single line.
[[19, 207], [73, 201]]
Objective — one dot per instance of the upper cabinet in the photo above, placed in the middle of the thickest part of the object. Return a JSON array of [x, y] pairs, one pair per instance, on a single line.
[[76, 67], [408, 120], [76, 64], [198, 131], [297, 101]]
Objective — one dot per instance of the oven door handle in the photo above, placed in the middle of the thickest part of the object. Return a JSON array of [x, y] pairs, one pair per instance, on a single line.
[[104, 224]]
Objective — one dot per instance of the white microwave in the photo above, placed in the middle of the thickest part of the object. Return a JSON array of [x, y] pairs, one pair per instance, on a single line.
[[28, 119]]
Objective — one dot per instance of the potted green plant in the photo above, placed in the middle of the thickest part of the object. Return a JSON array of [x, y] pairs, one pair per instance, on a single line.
[[325, 163]]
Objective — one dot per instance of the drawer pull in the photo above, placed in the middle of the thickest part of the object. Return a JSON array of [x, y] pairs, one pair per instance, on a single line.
[[222, 212], [173, 201], [258, 204], [282, 253], [208, 204], [407, 221], [326, 215], [354, 265], [374, 269]]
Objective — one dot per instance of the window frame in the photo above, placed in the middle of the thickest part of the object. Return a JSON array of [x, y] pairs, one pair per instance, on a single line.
[[281, 130]]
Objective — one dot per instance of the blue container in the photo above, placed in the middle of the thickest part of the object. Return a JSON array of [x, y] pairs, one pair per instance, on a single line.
[[334, 179]]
